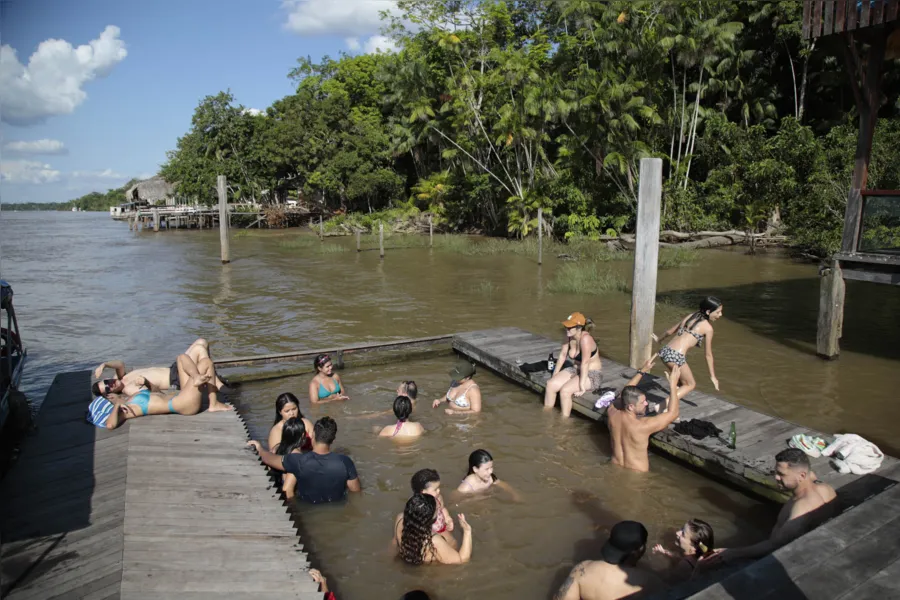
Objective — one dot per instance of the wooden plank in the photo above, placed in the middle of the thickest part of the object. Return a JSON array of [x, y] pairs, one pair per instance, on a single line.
[[217, 581], [807, 20], [852, 17], [886, 260], [840, 16], [829, 17], [816, 28], [872, 276], [891, 11], [864, 14], [877, 12], [885, 584], [646, 254]]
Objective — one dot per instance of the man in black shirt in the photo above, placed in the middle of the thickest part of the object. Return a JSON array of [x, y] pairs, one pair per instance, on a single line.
[[320, 475]]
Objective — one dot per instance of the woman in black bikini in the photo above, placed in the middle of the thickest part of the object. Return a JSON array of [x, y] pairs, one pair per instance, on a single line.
[[691, 331], [585, 376]]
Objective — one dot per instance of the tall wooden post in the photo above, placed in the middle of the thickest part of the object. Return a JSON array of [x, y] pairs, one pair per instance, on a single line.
[[357, 240], [222, 186], [431, 231], [540, 235], [321, 230], [381, 238], [646, 254], [831, 312], [155, 219]]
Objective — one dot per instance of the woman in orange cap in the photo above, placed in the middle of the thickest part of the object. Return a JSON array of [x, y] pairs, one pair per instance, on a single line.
[[585, 375]]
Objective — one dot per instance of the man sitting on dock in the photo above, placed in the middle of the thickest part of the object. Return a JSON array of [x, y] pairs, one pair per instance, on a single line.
[[812, 503], [160, 378], [629, 426]]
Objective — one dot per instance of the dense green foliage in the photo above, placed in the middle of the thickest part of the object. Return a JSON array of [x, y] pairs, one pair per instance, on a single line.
[[492, 109], [95, 201]]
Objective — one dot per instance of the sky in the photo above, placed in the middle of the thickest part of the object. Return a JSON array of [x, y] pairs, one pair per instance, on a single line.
[[94, 92]]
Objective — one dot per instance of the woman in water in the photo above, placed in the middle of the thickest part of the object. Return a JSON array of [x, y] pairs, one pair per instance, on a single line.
[[294, 439], [419, 545], [691, 331], [695, 542], [464, 395], [404, 428], [427, 481], [326, 386], [585, 376], [287, 407], [481, 476]]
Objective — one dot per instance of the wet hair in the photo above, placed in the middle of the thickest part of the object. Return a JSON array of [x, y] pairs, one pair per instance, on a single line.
[[631, 395], [418, 517], [283, 400], [707, 305], [325, 430], [422, 478], [95, 389], [478, 458], [701, 537], [293, 435], [416, 595], [320, 360], [402, 408], [412, 390], [794, 458], [588, 324]]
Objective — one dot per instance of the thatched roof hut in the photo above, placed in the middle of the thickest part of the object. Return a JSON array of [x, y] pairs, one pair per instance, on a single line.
[[152, 190]]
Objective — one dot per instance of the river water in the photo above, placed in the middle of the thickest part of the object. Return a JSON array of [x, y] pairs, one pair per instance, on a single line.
[[87, 289]]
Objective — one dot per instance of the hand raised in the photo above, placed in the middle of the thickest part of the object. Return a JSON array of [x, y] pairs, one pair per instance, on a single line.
[[463, 523]]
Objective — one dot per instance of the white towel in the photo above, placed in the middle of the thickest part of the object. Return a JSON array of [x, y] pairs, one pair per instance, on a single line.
[[854, 454]]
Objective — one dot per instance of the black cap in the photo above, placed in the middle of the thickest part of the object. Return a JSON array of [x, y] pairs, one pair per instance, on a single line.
[[625, 538]]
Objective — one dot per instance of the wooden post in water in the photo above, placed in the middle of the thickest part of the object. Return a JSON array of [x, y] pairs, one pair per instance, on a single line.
[[321, 230], [357, 240], [155, 219], [431, 231], [831, 312], [222, 187], [646, 255], [540, 235], [381, 238]]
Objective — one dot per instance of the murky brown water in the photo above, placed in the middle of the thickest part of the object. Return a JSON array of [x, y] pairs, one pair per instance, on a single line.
[[88, 289]]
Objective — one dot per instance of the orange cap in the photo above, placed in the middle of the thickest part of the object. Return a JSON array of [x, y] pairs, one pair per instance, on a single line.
[[576, 319]]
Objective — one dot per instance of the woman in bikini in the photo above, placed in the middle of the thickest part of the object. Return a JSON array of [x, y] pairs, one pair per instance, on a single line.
[[404, 427], [326, 386], [480, 476], [585, 375], [427, 481], [695, 543], [414, 537], [287, 406], [464, 395], [691, 331], [294, 439]]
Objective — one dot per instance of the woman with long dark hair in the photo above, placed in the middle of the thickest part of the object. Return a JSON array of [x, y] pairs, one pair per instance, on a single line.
[[427, 481], [294, 439], [419, 545], [326, 385], [480, 476], [404, 428], [287, 407], [693, 330]]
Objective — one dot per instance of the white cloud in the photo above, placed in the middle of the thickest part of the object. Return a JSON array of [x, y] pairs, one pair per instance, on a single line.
[[28, 171], [44, 146], [253, 112], [353, 43], [336, 17], [380, 43], [104, 174], [51, 83]]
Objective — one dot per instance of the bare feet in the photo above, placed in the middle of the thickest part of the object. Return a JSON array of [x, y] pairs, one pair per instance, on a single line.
[[219, 406]]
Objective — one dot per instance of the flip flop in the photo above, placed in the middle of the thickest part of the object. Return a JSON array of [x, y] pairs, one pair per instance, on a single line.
[[810, 445]]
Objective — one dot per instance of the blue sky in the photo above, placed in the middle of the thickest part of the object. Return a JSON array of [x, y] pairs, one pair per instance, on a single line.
[[104, 102]]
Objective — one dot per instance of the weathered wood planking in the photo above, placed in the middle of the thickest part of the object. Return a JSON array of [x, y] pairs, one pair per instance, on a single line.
[[759, 436], [165, 506]]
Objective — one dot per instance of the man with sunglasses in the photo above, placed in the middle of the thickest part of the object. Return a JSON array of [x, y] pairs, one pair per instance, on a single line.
[[158, 379]]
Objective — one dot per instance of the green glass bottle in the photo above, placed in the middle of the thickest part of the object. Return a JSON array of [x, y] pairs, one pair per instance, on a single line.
[[732, 437]]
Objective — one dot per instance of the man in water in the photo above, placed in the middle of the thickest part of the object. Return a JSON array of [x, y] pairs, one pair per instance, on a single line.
[[616, 575], [630, 428], [320, 475], [812, 503], [161, 378]]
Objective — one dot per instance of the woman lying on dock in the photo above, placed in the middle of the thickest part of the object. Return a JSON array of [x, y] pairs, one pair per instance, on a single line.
[[107, 414], [404, 428], [464, 395], [287, 407], [326, 385], [695, 543], [691, 331], [418, 544], [481, 476], [585, 375]]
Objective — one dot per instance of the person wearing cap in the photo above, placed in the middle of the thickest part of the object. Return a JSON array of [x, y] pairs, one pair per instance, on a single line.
[[464, 395], [616, 575], [585, 375]]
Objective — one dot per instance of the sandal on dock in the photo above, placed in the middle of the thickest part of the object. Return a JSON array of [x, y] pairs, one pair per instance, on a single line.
[[810, 445]]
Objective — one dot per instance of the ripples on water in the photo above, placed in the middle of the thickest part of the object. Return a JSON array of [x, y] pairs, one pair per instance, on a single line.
[[87, 289]]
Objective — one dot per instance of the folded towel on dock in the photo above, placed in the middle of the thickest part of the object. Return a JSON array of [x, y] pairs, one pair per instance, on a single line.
[[605, 399], [697, 429], [853, 454]]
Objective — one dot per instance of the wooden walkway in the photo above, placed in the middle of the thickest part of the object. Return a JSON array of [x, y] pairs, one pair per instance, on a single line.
[[759, 437], [163, 507]]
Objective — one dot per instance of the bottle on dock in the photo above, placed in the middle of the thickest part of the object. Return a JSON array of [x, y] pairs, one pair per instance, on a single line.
[[732, 437], [551, 364]]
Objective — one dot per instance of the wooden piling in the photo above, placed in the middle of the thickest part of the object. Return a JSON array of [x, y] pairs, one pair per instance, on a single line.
[[222, 187], [155, 219], [646, 255], [381, 239], [430, 231], [321, 229], [540, 235], [831, 312], [357, 240]]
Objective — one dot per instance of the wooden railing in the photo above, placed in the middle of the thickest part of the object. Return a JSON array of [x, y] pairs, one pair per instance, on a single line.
[[827, 17]]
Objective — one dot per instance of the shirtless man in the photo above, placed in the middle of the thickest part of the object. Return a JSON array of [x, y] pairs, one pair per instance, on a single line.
[[812, 503], [617, 575], [629, 427], [162, 378]]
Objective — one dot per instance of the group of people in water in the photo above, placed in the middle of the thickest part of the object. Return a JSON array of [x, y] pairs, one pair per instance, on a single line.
[[299, 451]]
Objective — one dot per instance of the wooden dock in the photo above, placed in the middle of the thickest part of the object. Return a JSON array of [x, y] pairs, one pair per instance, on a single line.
[[163, 507], [759, 436]]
